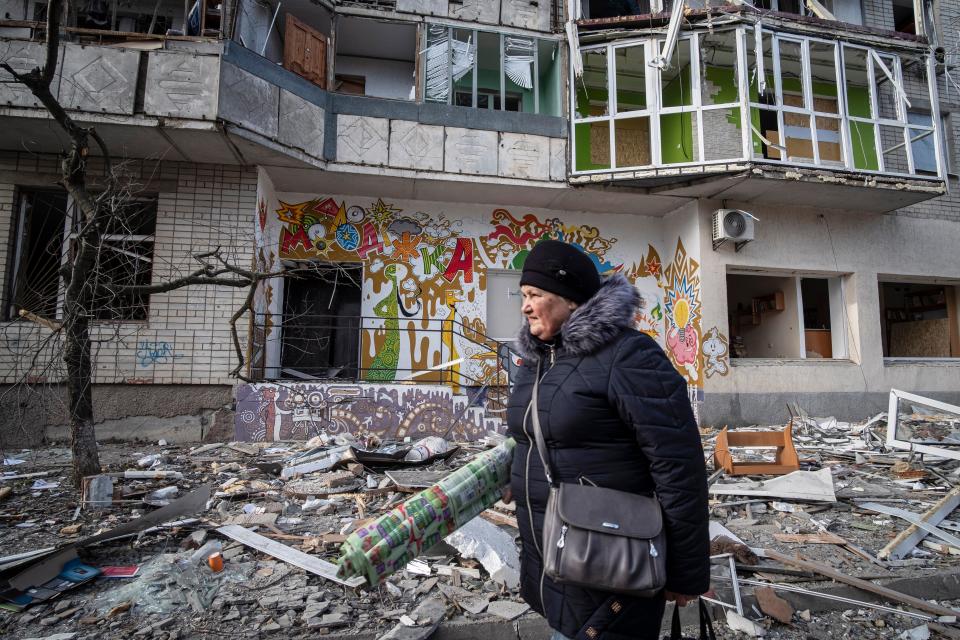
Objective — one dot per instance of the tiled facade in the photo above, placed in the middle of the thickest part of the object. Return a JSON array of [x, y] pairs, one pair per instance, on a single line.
[[186, 338]]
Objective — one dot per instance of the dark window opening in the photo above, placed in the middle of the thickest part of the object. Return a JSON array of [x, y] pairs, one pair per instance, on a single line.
[[375, 58], [124, 256], [903, 16], [815, 294], [919, 320], [612, 8], [36, 255], [321, 323], [124, 259]]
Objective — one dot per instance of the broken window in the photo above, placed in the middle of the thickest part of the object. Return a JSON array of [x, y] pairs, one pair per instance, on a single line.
[[376, 58], [37, 249], [45, 240], [774, 316], [678, 137], [125, 258], [321, 323], [919, 320], [811, 102], [472, 68]]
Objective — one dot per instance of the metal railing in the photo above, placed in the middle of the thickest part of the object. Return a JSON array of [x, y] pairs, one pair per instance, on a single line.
[[327, 348]]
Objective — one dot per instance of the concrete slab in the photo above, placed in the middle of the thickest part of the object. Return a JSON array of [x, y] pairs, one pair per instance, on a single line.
[[558, 159], [22, 56], [486, 11], [524, 156], [525, 14], [416, 146], [470, 151], [249, 101], [302, 124], [423, 7], [362, 139], [99, 79], [178, 85]]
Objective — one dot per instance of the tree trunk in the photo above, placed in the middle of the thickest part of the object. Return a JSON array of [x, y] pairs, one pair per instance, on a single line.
[[83, 441], [78, 299]]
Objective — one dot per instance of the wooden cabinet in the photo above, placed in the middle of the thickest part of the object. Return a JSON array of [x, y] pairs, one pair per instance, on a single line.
[[305, 51]]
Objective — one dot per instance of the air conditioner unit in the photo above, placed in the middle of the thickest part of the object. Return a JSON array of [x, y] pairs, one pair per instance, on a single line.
[[734, 225]]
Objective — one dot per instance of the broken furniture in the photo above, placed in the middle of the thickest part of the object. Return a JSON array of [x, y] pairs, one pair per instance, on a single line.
[[785, 459]]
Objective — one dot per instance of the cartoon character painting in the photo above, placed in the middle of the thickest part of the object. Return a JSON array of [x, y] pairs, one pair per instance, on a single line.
[[716, 353]]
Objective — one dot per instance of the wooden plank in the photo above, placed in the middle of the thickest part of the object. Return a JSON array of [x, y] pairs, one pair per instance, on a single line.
[[287, 554], [864, 585], [499, 518], [810, 538], [910, 537]]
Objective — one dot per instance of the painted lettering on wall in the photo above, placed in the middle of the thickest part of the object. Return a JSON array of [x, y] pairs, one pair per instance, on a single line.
[[151, 353]]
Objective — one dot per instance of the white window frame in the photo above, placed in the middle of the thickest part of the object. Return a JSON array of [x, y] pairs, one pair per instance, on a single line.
[[69, 235], [746, 40], [475, 40]]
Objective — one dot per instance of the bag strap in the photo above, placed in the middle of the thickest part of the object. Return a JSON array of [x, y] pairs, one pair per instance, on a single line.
[[675, 625], [537, 431], [706, 624]]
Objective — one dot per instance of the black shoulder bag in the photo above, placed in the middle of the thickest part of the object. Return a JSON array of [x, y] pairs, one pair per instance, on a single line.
[[600, 538]]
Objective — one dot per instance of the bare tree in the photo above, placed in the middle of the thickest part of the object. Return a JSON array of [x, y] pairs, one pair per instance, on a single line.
[[86, 285]]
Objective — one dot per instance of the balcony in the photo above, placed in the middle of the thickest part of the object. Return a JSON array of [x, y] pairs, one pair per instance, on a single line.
[[747, 113]]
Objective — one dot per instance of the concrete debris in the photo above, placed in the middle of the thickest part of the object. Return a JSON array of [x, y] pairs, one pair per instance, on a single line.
[[799, 485], [492, 546], [738, 622], [917, 633], [421, 623], [507, 609], [283, 510]]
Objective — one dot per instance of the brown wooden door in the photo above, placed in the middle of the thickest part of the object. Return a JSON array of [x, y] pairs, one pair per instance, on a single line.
[[305, 51]]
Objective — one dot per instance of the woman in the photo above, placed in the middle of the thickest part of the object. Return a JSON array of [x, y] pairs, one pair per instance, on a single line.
[[613, 410]]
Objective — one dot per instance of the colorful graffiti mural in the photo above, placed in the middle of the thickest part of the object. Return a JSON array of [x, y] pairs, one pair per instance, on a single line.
[[716, 353], [682, 304], [424, 289], [272, 412]]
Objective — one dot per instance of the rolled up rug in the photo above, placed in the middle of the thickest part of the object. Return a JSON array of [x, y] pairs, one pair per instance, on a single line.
[[378, 549]]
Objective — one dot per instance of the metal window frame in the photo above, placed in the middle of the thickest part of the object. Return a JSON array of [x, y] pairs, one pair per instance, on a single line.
[[69, 235], [893, 417], [840, 50], [501, 34]]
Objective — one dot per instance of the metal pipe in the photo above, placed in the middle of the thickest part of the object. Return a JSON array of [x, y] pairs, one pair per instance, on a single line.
[[266, 40]]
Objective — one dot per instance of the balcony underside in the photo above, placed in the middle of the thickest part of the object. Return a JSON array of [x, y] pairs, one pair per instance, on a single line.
[[777, 184], [145, 138]]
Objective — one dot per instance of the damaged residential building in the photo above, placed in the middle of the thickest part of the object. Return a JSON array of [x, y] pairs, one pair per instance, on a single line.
[[777, 179]]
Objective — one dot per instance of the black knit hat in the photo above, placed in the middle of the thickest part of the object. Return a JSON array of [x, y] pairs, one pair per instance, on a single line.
[[562, 269]]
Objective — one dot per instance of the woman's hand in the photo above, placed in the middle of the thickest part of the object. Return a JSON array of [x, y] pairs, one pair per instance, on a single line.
[[682, 600], [506, 494]]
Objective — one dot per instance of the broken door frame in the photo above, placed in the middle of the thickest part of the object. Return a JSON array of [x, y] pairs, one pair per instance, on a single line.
[[893, 418]]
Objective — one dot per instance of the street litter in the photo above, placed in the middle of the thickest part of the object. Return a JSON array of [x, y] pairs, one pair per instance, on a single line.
[[799, 485], [260, 553]]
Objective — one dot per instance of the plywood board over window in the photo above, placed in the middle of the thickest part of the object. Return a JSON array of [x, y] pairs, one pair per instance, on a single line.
[[921, 339]]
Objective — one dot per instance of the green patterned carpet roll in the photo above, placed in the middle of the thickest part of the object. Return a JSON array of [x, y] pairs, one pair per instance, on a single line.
[[387, 544]]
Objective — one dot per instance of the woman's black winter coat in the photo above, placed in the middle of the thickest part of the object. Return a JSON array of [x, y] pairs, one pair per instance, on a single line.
[[614, 410]]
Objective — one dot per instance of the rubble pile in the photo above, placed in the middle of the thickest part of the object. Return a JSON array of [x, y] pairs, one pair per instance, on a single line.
[[164, 582], [838, 535]]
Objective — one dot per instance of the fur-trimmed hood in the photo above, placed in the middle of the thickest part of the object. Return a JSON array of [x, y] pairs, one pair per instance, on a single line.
[[591, 325]]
